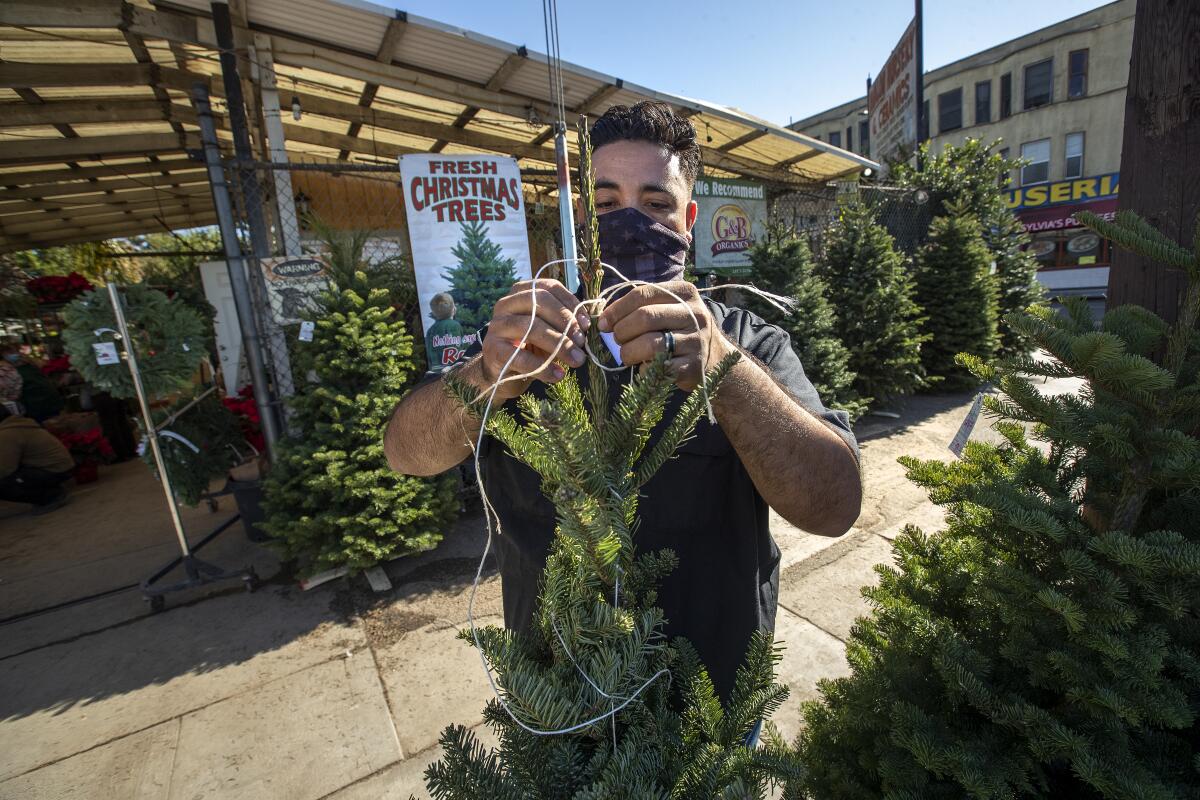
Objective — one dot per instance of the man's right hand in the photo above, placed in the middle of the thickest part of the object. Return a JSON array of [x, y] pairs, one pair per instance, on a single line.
[[555, 321]]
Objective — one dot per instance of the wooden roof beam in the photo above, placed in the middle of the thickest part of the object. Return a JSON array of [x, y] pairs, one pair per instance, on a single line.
[[589, 102], [142, 54], [386, 52], [734, 144], [135, 226], [14, 74], [61, 13], [75, 209], [33, 178], [94, 148], [500, 77], [399, 123], [46, 192], [100, 221], [96, 110]]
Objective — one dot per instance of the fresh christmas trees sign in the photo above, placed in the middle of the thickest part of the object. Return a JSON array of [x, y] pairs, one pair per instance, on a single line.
[[466, 222]]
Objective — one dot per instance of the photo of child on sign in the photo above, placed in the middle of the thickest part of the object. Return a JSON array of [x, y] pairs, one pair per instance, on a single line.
[[466, 223]]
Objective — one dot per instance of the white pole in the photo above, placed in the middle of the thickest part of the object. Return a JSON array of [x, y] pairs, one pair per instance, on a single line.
[[566, 209], [151, 433]]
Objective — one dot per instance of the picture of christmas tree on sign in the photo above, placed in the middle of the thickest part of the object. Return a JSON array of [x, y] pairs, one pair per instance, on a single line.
[[483, 275]]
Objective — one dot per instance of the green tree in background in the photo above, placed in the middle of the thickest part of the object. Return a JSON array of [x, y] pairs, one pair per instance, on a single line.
[[783, 264], [974, 174], [958, 293], [331, 497], [1045, 645], [872, 294], [483, 275]]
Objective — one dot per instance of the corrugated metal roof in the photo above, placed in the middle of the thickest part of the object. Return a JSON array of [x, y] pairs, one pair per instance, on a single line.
[[97, 92]]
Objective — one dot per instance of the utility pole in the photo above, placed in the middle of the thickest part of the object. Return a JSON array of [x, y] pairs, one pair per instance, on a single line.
[[922, 122], [1160, 163]]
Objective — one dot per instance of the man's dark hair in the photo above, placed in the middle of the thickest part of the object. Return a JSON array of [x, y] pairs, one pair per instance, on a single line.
[[652, 122]]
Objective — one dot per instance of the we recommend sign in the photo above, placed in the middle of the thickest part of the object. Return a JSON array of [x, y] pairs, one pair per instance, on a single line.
[[730, 216], [892, 100], [466, 223]]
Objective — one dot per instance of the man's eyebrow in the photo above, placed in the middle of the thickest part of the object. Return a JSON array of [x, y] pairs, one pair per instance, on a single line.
[[607, 185], [655, 187]]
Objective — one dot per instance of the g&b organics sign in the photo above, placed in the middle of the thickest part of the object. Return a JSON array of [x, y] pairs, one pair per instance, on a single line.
[[730, 215]]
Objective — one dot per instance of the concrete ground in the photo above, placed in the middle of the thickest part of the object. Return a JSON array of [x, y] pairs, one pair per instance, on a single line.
[[337, 692]]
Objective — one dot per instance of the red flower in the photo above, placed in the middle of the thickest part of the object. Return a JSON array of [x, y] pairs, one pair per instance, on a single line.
[[88, 445], [58, 288], [56, 365], [244, 407]]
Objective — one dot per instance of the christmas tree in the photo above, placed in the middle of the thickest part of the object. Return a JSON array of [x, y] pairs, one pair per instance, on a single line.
[[973, 173], [596, 703], [783, 264], [1046, 643], [872, 294], [331, 497], [482, 277], [958, 293]]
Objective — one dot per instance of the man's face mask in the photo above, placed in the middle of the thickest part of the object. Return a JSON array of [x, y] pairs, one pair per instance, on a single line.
[[640, 248]]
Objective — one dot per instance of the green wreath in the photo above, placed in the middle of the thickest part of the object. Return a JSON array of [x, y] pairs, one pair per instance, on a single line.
[[167, 335]]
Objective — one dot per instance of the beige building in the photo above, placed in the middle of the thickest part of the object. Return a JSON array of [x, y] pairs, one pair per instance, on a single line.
[[1055, 97]]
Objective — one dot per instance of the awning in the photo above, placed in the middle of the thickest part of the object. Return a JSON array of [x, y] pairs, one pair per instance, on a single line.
[[95, 121]]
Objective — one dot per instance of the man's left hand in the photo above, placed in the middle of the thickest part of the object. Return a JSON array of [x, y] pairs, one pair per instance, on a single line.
[[640, 319]]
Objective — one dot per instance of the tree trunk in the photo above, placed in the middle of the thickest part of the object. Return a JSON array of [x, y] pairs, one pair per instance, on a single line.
[[1160, 155]]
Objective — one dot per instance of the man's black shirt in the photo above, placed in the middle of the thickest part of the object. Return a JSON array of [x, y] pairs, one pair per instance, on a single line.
[[701, 504]]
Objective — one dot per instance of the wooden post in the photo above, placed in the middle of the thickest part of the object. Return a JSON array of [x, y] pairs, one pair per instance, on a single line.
[[1160, 155]]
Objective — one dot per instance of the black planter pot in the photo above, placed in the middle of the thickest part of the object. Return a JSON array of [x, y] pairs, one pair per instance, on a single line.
[[248, 496]]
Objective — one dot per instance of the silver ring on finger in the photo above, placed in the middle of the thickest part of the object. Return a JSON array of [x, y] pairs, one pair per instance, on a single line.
[[669, 344]]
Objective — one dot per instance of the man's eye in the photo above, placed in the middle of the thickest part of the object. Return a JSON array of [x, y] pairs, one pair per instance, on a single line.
[[603, 204]]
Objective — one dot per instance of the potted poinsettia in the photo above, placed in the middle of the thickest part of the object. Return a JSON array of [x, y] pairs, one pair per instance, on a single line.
[[89, 448], [55, 289]]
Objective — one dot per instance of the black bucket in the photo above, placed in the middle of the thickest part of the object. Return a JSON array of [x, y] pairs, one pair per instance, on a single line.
[[248, 496]]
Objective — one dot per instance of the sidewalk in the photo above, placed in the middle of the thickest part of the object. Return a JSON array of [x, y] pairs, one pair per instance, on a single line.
[[342, 693]]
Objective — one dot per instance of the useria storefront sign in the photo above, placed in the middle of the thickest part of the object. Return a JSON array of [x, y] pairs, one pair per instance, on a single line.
[[1053, 206]]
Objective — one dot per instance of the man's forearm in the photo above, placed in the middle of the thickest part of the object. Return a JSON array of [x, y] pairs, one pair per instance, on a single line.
[[429, 431], [802, 469]]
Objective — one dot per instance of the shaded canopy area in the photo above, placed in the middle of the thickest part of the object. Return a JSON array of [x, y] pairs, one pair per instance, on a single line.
[[98, 137]]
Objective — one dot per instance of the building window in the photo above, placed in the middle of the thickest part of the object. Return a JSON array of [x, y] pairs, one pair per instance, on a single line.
[[950, 110], [1039, 84], [835, 138], [1006, 176], [864, 137], [850, 138], [1037, 154], [1006, 95], [1077, 69], [1074, 154], [983, 102]]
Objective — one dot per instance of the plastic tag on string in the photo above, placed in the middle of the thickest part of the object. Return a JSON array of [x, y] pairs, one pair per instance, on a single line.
[[106, 353], [968, 424], [610, 342], [306, 330]]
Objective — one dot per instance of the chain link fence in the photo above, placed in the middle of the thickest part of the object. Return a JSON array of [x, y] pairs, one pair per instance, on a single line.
[[905, 213]]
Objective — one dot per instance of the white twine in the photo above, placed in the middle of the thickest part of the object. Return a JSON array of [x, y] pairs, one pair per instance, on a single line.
[[784, 304]]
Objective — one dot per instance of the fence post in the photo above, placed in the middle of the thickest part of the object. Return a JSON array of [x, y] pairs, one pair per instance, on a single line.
[[251, 341]]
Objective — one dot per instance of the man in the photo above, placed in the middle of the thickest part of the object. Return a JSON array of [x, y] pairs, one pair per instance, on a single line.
[[774, 443], [40, 399], [34, 464]]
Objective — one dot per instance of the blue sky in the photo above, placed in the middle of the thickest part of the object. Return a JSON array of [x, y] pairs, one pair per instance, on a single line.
[[772, 58]]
